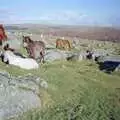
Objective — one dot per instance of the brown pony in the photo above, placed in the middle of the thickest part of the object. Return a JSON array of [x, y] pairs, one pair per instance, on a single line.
[[3, 36], [35, 49], [63, 44]]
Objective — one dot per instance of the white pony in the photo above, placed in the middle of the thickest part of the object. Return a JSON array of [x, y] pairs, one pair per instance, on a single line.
[[25, 63]]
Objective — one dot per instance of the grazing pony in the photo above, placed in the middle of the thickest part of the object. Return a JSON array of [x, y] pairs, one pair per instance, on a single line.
[[63, 44], [35, 49]]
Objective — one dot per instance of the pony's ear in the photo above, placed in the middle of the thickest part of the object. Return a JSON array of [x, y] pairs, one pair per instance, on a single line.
[[29, 39]]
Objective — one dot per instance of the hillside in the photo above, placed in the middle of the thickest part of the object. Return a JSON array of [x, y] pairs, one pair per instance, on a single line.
[[77, 90], [84, 32]]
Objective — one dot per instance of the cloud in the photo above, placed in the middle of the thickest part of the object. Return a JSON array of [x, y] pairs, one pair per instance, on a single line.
[[5, 16], [114, 20], [79, 18], [73, 17], [57, 17], [66, 17], [60, 17]]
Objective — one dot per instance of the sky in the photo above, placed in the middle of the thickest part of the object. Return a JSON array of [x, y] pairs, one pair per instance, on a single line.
[[65, 12]]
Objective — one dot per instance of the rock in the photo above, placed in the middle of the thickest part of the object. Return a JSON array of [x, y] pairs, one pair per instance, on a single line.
[[37, 80], [100, 52], [74, 57], [44, 84], [15, 102], [52, 55], [109, 63], [117, 68], [82, 56], [112, 58], [14, 43], [18, 95], [16, 60], [77, 56]]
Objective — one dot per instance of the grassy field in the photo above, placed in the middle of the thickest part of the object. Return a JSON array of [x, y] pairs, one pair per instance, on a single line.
[[76, 91]]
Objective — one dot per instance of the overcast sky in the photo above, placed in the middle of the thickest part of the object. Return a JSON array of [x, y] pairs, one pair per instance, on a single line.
[[73, 12]]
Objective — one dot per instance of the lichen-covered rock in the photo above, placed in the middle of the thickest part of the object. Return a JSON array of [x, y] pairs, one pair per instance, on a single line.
[[52, 55], [18, 95], [19, 61]]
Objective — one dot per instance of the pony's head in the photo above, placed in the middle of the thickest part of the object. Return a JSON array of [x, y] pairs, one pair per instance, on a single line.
[[26, 41]]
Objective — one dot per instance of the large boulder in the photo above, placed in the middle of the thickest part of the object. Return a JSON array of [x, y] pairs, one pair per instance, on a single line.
[[77, 56], [101, 52], [52, 55], [19, 61], [18, 95], [112, 58]]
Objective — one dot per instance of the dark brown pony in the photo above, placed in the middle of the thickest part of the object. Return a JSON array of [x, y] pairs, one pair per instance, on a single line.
[[35, 49], [63, 44]]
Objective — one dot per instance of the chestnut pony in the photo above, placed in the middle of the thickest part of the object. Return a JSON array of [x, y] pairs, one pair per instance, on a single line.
[[35, 49], [63, 44]]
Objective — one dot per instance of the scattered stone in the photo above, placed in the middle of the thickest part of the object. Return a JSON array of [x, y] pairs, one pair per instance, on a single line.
[[117, 68], [44, 84]]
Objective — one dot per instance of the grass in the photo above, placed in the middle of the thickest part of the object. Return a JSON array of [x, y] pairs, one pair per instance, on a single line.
[[76, 91], [82, 106]]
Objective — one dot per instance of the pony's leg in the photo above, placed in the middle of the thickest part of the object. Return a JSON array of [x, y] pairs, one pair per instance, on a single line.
[[56, 45], [42, 57]]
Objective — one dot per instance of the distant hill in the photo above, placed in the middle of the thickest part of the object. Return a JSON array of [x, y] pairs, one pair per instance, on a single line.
[[84, 32], [11, 27]]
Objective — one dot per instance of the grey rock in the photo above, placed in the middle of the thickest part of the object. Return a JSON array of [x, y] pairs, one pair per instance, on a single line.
[[18, 95], [117, 68], [112, 58], [44, 84], [77, 56], [52, 55], [101, 52], [14, 43]]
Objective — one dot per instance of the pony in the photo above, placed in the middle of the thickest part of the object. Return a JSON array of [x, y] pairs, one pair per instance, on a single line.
[[63, 44], [35, 49]]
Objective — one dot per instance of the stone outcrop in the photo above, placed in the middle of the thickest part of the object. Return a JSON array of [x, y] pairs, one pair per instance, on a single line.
[[19, 94]]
